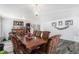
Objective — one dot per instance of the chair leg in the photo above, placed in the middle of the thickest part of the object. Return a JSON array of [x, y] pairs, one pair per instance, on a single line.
[[54, 50], [14, 51]]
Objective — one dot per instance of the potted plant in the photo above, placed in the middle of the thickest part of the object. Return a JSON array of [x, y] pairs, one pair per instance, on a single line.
[[1, 46], [4, 39]]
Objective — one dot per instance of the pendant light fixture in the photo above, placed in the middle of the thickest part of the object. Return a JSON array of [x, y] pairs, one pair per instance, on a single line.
[[36, 9]]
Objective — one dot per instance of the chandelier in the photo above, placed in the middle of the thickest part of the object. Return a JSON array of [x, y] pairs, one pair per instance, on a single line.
[[36, 9]]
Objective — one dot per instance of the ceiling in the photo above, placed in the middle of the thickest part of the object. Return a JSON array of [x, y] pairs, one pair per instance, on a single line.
[[47, 11]]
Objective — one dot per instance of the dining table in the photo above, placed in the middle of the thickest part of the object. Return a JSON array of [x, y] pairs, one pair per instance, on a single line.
[[33, 43]]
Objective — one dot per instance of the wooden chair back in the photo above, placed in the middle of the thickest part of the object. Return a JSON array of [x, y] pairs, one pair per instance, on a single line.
[[52, 43], [34, 33], [18, 47], [15, 45], [38, 34], [22, 48], [45, 35]]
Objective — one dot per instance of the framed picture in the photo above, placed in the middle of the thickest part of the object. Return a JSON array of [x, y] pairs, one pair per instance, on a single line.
[[69, 22], [18, 23], [54, 24], [60, 23]]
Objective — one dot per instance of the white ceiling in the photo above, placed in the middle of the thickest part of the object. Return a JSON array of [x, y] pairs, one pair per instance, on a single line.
[[26, 10], [16, 10]]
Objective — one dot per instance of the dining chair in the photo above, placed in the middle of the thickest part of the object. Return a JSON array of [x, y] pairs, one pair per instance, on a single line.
[[50, 46], [22, 48], [38, 34], [15, 45], [18, 47], [20, 32], [34, 33], [45, 35]]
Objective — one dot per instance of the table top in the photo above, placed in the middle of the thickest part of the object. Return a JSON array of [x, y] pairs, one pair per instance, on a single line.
[[33, 43]]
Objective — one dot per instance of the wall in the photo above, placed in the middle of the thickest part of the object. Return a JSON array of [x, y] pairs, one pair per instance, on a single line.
[[7, 24], [46, 16], [71, 33]]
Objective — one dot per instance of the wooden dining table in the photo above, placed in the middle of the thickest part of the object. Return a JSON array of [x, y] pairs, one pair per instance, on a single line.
[[32, 43]]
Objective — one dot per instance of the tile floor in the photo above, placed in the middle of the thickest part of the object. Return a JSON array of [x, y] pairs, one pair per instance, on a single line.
[[8, 47], [64, 47]]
